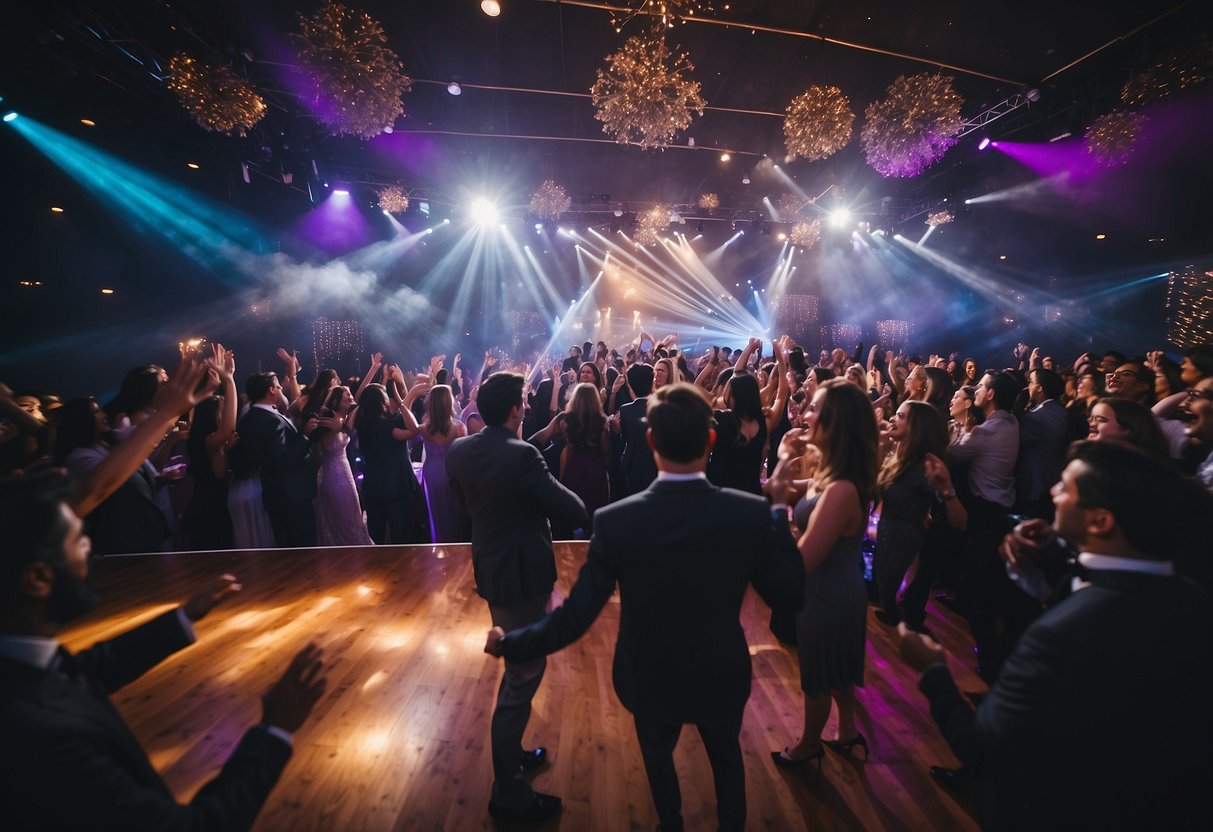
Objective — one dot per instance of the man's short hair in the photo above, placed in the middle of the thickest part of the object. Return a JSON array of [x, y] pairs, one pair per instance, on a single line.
[[33, 523], [1145, 495], [497, 396], [640, 379], [1004, 388], [1201, 357], [258, 386], [1049, 381], [680, 417]]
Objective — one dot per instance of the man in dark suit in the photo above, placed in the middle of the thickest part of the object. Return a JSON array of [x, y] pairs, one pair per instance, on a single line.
[[681, 655], [1043, 436], [270, 442], [68, 760], [1099, 719], [636, 464], [509, 494]]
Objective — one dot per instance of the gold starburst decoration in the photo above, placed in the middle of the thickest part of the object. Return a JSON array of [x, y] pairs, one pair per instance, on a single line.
[[1110, 137], [913, 127], [550, 201], [805, 234], [651, 224], [356, 80], [790, 205], [393, 199], [940, 217], [662, 14], [818, 123], [1169, 74], [643, 95], [709, 202], [217, 98]]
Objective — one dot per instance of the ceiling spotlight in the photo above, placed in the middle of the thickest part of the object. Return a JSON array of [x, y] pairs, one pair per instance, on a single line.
[[341, 190], [107, 291], [490, 7], [724, 157], [840, 217], [88, 122], [483, 212], [781, 237], [984, 143], [454, 89], [745, 180], [192, 165], [10, 116], [55, 209], [1097, 236], [618, 211], [1032, 95]]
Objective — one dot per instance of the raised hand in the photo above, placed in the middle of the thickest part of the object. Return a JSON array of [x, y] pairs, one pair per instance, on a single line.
[[289, 702], [210, 596], [182, 391], [376, 361], [291, 360]]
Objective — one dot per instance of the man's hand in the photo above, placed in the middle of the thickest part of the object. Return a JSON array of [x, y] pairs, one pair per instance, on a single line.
[[289, 702], [919, 650], [493, 645], [210, 596], [1025, 541]]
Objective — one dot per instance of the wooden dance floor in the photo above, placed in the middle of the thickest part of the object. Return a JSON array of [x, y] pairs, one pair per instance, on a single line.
[[401, 738]]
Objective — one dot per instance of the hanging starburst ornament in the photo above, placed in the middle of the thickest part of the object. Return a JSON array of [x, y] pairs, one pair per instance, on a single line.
[[393, 199], [643, 95], [651, 224], [818, 123], [1111, 137], [1171, 73], [550, 201], [805, 234], [709, 202], [661, 14], [911, 129], [789, 206], [356, 80], [940, 218], [215, 96]]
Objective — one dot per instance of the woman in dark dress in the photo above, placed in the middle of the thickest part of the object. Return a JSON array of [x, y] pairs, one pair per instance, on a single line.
[[831, 629], [911, 477], [741, 437], [208, 524], [389, 485], [583, 461]]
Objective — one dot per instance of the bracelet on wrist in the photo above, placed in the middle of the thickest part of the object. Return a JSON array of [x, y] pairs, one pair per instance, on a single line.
[[944, 496]]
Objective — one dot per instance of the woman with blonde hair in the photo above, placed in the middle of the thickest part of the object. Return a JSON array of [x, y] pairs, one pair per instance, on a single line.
[[831, 629], [448, 522], [665, 371]]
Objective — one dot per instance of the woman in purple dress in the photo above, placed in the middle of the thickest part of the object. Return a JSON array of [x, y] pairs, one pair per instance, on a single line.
[[338, 513], [448, 522], [583, 462]]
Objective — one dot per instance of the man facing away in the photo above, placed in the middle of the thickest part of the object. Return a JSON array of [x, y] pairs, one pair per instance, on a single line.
[[682, 552], [509, 494], [1100, 718], [69, 761]]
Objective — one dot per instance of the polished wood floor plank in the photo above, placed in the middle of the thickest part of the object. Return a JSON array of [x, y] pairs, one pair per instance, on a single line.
[[400, 739]]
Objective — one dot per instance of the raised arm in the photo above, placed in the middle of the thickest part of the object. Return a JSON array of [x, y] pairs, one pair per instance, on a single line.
[[290, 374], [743, 360], [369, 375]]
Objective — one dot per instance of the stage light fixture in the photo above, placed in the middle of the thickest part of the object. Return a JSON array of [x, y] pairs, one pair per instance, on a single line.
[[1032, 95], [840, 217], [192, 165], [483, 212], [745, 180], [55, 209], [10, 116], [490, 7], [1097, 236], [341, 190], [1060, 136], [724, 157], [454, 89], [984, 143], [88, 122], [107, 291]]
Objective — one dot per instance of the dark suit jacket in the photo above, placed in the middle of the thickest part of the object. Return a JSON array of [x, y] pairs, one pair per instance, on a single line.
[[636, 464], [509, 494], [70, 762], [1099, 718], [1043, 438], [683, 554], [281, 454]]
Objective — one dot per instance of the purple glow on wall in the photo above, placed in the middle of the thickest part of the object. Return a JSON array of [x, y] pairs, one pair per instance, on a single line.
[[335, 226]]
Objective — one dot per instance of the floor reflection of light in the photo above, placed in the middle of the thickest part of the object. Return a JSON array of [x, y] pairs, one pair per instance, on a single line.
[[377, 679], [394, 638], [364, 590], [375, 741], [441, 554]]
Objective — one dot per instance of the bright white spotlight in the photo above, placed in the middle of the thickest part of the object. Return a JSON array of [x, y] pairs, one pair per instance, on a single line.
[[984, 143], [454, 88], [483, 212], [490, 7], [840, 217], [10, 116]]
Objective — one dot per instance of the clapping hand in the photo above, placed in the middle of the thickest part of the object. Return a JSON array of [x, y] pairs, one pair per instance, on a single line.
[[210, 596], [289, 702]]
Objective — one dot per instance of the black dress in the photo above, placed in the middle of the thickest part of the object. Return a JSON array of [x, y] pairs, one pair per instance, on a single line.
[[904, 505], [737, 462], [208, 525]]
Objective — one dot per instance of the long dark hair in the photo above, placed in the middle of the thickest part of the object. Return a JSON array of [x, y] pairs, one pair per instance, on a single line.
[[318, 394], [138, 388], [372, 406], [926, 433], [747, 401], [77, 428], [847, 438]]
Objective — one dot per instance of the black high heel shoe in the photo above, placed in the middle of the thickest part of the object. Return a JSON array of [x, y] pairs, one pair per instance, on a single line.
[[845, 746], [784, 761]]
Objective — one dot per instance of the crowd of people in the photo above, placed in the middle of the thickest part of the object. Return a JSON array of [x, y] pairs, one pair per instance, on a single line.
[[973, 482]]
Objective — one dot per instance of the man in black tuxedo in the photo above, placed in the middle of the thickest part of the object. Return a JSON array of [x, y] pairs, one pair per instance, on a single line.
[[68, 759], [1099, 719], [270, 442], [636, 463], [509, 494], [683, 552]]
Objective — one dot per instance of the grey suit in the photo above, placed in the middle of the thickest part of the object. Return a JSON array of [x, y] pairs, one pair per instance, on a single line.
[[509, 494]]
